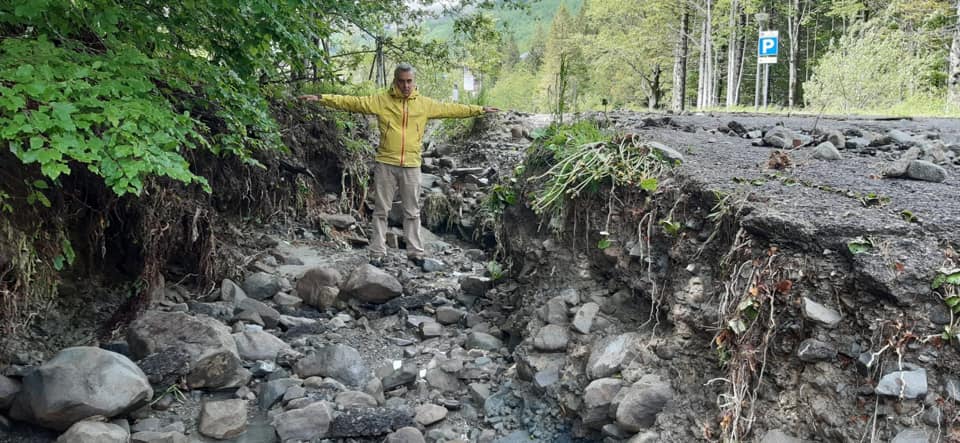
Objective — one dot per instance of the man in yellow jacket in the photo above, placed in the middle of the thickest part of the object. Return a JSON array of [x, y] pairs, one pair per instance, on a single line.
[[402, 116]]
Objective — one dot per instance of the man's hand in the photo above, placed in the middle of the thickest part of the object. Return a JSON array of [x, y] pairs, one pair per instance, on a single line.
[[310, 98], [490, 109]]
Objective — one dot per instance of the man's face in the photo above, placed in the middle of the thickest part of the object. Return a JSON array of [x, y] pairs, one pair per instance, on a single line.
[[405, 83]]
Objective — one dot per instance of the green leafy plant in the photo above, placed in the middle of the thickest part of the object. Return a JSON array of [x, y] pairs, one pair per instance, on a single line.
[[649, 184], [946, 277], [671, 227], [859, 245], [501, 196], [495, 270], [604, 241], [66, 255], [908, 216], [874, 200], [5, 205]]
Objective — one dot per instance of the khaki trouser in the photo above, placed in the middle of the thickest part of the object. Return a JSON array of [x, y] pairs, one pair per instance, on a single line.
[[387, 180]]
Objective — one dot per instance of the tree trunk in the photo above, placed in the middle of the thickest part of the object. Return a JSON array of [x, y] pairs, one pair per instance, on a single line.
[[741, 57], [680, 64], [701, 68], [793, 30], [953, 86], [706, 96], [655, 88], [732, 51], [709, 95]]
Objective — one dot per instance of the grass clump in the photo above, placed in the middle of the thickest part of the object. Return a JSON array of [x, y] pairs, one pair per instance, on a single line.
[[582, 158]]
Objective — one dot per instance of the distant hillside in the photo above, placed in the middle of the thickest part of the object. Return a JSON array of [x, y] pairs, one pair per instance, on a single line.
[[523, 24]]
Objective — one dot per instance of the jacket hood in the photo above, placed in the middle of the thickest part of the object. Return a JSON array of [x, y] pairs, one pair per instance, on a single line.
[[395, 92]]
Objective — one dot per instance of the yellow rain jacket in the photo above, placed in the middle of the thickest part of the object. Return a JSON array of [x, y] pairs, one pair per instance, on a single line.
[[401, 120]]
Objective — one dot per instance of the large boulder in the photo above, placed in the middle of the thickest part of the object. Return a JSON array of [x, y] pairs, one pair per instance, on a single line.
[[370, 284], [596, 400], [78, 383], [609, 354], [245, 306], [341, 362], [261, 285], [223, 419], [94, 432], [214, 360], [256, 344], [319, 287], [781, 137], [8, 391], [643, 401], [926, 171], [309, 423]]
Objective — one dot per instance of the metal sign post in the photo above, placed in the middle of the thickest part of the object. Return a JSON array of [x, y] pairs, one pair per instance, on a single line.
[[768, 45], [761, 18]]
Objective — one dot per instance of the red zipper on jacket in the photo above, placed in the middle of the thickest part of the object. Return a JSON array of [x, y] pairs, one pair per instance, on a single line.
[[403, 133]]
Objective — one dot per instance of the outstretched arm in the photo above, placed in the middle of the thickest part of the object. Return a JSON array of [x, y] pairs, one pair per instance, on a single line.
[[456, 110], [365, 104]]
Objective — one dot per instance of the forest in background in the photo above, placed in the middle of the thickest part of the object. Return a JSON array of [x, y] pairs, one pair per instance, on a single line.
[[835, 56]]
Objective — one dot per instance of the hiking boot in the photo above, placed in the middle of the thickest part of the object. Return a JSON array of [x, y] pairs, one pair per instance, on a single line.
[[377, 261]]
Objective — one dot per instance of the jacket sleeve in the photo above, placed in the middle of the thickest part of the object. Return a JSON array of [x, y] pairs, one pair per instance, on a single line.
[[437, 109], [369, 104]]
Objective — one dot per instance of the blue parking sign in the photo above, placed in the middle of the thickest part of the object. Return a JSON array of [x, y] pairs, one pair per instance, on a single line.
[[768, 44]]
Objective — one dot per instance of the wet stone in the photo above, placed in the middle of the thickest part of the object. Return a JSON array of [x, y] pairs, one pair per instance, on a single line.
[[484, 341], [607, 355], [953, 389], [274, 390], [826, 151], [812, 350], [369, 422], [551, 338], [911, 436], [431, 329], [926, 171], [908, 384], [405, 435], [432, 265], [352, 399], [448, 315], [474, 285], [406, 374], [819, 313], [583, 320], [223, 419], [429, 414], [555, 311]]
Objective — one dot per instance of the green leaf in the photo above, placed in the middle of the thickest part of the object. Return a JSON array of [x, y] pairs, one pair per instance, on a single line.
[[67, 249], [946, 276], [36, 143], [604, 243], [649, 184], [859, 245], [40, 184]]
